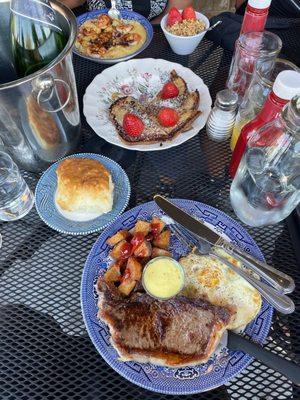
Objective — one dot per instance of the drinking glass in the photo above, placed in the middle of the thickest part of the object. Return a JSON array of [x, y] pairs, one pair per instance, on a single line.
[[16, 199], [255, 96], [251, 50]]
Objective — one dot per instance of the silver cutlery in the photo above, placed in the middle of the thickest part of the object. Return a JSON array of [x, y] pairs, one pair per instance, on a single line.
[[113, 12], [279, 301], [279, 280], [212, 27]]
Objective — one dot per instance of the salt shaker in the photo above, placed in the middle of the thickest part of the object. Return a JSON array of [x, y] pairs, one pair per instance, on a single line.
[[221, 119]]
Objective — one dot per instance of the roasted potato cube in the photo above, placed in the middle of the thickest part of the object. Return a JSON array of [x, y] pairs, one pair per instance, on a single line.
[[113, 273], [157, 225], [135, 268], [143, 250], [142, 227], [116, 238], [163, 240], [156, 252], [127, 286], [122, 250]]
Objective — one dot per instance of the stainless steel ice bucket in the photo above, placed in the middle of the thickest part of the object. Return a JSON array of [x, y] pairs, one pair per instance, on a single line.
[[39, 114]]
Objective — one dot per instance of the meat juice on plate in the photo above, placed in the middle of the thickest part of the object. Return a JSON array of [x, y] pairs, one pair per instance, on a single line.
[[266, 187]]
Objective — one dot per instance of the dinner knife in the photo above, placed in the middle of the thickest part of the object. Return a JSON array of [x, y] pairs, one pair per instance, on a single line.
[[279, 280], [275, 362]]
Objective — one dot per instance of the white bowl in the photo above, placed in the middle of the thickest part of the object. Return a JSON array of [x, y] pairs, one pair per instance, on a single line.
[[184, 45]]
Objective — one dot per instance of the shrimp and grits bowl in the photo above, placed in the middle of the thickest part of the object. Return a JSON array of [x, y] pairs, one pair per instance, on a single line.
[[108, 38]]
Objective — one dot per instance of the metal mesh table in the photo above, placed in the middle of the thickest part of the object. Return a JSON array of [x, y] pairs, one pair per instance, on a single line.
[[45, 352]]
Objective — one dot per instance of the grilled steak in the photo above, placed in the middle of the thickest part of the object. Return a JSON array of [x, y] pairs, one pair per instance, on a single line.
[[177, 332]]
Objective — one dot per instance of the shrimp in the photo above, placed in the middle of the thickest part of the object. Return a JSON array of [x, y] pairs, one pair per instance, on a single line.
[[131, 38], [96, 50], [124, 28], [104, 21]]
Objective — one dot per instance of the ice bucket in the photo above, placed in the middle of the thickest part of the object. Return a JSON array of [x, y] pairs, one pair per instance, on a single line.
[[39, 114]]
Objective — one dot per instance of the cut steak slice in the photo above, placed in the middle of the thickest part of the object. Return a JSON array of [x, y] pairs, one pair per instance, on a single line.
[[175, 333]]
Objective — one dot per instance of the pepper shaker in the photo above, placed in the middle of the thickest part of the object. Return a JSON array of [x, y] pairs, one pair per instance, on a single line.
[[221, 119]]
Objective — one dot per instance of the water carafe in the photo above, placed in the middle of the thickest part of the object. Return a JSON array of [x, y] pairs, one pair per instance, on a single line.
[[266, 187]]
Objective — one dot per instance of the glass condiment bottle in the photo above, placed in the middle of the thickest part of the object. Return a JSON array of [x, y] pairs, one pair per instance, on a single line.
[[260, 86], [266, 187], [252, 49], [36, 36], [255, 16], [221, 118], [286, 86]]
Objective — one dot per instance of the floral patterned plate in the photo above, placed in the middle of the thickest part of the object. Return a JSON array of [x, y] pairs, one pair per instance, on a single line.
[[142, 79], [224, 364]]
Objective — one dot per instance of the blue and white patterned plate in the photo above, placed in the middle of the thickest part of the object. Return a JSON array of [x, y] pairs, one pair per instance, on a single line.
[[125, 14], [45, 204], [222, 366]]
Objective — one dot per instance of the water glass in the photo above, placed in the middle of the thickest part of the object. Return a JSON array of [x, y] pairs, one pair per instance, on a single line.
[[251, 50], [16, 199], [255, 96]]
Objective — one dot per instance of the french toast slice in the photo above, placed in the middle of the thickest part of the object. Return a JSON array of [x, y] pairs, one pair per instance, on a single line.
[[152, 133], [186, 118], [185, 100], [186, 104]]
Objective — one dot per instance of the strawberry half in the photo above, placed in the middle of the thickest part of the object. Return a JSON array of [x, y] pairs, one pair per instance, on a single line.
[[167, 117], [174, 16], [189, 13], [169, 91], [132, 125]]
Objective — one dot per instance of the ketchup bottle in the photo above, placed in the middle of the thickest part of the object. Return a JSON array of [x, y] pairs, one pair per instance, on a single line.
[[256, 15], [285, 87]]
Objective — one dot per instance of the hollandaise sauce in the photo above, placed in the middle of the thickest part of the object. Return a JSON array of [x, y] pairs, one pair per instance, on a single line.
[[163, 277]]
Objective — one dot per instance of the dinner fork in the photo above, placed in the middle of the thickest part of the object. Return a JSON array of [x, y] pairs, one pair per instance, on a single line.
[[279, 301], [113, 12]]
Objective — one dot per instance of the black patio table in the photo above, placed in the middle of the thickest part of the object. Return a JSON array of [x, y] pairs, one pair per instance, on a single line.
[[45, 351]]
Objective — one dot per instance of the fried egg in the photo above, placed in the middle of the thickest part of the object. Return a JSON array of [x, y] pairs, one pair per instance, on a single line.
[[212, 280]]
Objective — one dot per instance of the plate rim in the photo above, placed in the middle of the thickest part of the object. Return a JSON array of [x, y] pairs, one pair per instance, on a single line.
[[171, 65], [86, 232], [247, 359], [111, 61]]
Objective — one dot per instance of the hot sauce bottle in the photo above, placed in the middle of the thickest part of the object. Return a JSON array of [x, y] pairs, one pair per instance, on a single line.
[[256, 15]]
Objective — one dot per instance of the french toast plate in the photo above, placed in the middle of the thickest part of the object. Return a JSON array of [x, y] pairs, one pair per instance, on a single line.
[[141, 79], [224, 364]]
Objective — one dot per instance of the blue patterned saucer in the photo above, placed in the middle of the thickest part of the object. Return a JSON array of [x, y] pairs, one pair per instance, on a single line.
[[125, 14], [222, 366], [45, 205]]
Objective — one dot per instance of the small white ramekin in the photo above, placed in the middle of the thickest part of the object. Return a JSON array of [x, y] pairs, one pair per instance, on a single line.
[[184, 45]]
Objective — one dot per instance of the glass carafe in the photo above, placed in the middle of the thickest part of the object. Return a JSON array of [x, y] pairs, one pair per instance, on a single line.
[[260, 86], [251, 50], [266, 187]]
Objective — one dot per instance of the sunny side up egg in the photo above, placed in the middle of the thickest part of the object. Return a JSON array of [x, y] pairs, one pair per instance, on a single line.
[[212, 280]]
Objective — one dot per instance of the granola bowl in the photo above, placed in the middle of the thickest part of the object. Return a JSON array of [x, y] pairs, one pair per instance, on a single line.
[[184, 45]]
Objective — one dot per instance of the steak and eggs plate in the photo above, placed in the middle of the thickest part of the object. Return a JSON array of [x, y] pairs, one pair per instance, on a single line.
[[180, 331]]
